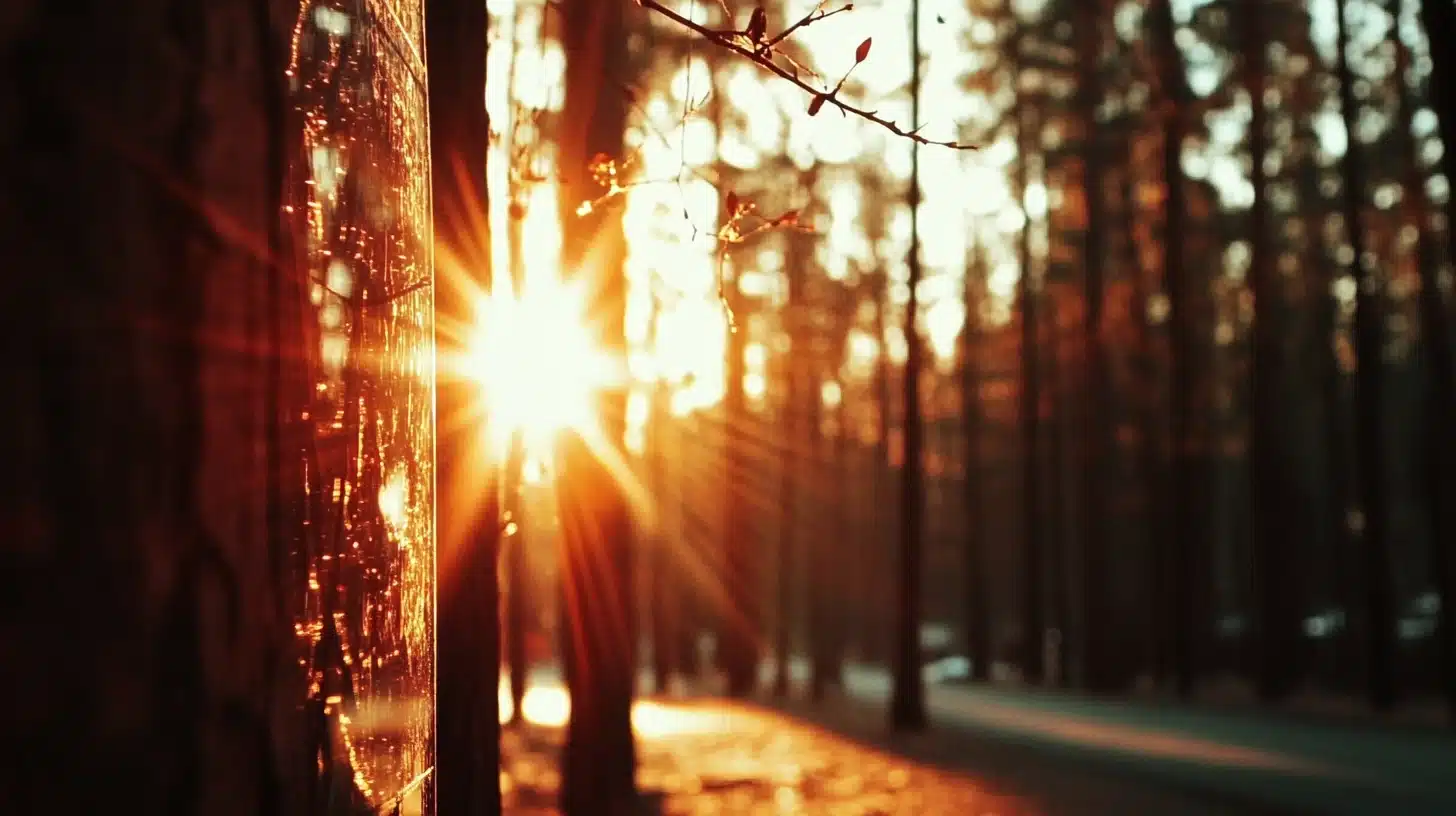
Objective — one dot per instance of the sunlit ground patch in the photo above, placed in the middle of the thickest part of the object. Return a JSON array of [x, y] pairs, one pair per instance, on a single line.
[[550, 706]]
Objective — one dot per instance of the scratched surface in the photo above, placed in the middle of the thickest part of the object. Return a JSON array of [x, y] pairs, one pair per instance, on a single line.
[[365, 548]]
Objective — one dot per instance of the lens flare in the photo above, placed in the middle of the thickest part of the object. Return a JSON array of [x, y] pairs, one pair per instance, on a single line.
[[537, 365]]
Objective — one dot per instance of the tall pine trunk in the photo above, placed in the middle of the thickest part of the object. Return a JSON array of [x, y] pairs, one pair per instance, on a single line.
[[977, 587], [738, 625], [907, 697], [1033, 597], [1369, 397], [517, 576], [1057, 499], [468, 511], [1439, 19], [1099, 636], [1151, 458], [884, 513], [598, 766], [790, 464], [1440, 476], [1277, 633], [662, 578], [1181, 534]]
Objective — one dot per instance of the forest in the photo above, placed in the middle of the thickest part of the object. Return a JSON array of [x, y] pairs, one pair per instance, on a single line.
[[702, 353]]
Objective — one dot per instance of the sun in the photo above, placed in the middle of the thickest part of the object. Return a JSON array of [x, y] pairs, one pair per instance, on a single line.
[[538, 368]]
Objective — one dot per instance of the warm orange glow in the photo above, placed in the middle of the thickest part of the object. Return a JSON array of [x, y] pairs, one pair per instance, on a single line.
[[550, 706], [537, 364]]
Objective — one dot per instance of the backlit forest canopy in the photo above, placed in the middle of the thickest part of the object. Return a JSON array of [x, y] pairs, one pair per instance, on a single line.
[[705, 123]]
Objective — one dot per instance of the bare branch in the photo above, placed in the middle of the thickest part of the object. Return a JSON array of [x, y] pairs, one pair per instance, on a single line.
[[736, 230], [808, 19], [761, 54]]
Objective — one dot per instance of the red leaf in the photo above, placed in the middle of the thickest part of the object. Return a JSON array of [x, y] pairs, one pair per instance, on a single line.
[[757, 25], [816, 104], [732, 203], [861, 53]]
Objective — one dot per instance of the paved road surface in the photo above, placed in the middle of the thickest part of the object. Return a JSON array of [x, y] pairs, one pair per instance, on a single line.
[[1299, 767]]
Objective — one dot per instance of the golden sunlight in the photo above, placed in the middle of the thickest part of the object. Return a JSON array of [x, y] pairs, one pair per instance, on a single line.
[[536, 363]]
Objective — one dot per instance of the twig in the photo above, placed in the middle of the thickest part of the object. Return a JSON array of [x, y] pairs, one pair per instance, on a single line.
[[761, 55], [808, 19], [732, 232]]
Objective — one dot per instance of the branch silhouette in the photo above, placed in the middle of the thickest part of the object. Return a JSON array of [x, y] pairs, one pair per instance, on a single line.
[[751, 44]]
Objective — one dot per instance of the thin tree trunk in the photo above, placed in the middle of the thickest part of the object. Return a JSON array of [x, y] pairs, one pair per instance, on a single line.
[[1181, 533], [1369, 405], [789, 464], [1439, 19], [685, 629], [737, 635], [978, 607], [1440, 458], [907, 698], [467, 750], [662, 587], [788, 501], [517, 577], [1335, 425], [598, 766], [1033, 595], [817, 573], [883, 473], [1152, 461], [1098, 632], [1057, 573], [1277, 635]]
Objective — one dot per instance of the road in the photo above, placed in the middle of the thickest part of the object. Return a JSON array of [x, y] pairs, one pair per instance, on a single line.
[[1270, 763], [1011, 751], [705, 755]]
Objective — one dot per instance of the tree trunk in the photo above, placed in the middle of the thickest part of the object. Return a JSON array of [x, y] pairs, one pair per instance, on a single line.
[[882, 473], [468, 508], [907, 698], [978, 606], [1152, 461], [1057, 572], [1181, 532], [738, 625], [818, 572], [149, 648], [1335, 424], [1098, 634], [1439, 19], [518, 580], [662, 587], [1440, 458], [687, 608], [1369, 405], [1277, 633], [789, 468], [1033, 594], [598, 766]]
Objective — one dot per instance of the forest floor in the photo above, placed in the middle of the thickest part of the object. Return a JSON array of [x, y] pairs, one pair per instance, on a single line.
[[711, 756], [990, 751]]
